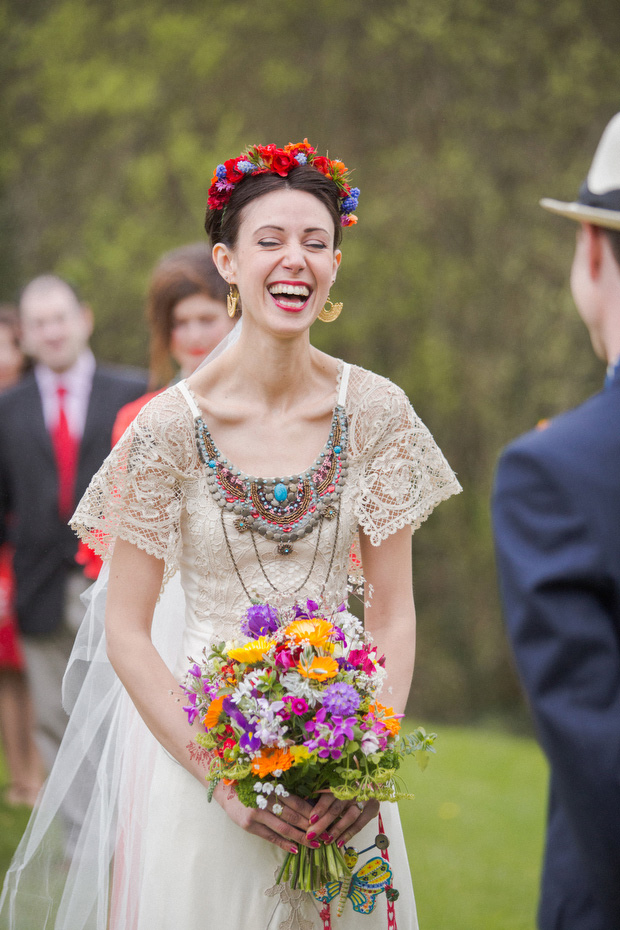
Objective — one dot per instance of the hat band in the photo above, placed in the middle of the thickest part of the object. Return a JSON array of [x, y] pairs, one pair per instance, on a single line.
[[610, 200]]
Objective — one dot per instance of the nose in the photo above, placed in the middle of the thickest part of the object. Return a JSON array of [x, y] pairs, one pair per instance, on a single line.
[[294, 258]]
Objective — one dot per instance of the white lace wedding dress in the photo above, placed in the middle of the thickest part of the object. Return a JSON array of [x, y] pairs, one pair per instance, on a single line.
[[153, 854]]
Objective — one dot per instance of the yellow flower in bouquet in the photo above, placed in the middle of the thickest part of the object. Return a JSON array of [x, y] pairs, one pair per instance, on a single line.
[[253, 652]]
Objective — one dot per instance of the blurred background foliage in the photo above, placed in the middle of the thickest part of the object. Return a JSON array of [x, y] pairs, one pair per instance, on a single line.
[[458, 115]]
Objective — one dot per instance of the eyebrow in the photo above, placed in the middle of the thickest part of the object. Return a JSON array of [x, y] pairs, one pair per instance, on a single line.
[[309, 229]]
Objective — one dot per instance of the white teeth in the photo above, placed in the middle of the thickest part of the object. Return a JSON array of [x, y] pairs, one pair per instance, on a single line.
[[297, 290]]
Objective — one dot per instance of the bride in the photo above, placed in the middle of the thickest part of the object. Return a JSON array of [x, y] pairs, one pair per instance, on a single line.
[[249, 481]]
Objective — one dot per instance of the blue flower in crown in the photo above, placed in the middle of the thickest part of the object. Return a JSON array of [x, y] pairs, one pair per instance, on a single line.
[[246, 167], [221, 172]]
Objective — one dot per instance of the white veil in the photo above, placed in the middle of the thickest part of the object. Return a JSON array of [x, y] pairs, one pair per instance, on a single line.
[[90, 813]]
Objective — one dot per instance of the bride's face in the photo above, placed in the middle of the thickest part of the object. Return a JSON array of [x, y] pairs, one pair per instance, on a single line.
[[283, 261]]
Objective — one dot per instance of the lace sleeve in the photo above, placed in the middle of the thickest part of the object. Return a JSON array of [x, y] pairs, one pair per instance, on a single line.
[[404, 474], [138, 491]]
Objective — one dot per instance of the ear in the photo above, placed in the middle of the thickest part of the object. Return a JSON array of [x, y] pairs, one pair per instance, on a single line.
[[89, 320], [223, 258], [594, 249], [337, 260]]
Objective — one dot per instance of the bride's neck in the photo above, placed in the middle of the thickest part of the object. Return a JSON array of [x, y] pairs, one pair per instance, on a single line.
[[276, 371]]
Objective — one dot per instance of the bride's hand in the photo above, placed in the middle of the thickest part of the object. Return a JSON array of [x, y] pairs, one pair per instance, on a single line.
[[334, 821], [283, 822]]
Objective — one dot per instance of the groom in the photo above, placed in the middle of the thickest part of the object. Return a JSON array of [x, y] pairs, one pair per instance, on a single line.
[[556, 509]]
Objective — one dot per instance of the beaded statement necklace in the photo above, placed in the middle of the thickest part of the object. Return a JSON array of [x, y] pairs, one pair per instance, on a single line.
[[282, 509]]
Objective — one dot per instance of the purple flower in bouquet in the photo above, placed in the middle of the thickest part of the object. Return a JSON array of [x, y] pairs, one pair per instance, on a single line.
[[261, 619], [329, 734], [250, 742], [310, 610], [341, 699], [190, 709]]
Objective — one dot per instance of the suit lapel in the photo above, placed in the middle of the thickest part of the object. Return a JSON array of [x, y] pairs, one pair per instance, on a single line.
[[96, 406], [34, 413]]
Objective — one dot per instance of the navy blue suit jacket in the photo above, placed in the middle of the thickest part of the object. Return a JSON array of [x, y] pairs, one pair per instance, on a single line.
[[45, 545], [556, 511]]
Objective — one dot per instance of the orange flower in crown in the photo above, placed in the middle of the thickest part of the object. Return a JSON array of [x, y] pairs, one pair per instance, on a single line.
[[268, 159]]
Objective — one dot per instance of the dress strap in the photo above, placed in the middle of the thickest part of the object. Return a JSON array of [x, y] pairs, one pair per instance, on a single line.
[[344, 382], [182, 386]]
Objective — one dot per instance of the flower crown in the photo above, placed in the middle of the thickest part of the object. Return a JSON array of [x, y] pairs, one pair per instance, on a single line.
[[267, 159]]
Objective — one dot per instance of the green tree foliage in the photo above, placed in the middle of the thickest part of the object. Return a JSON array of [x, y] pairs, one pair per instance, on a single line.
[[458, 117]]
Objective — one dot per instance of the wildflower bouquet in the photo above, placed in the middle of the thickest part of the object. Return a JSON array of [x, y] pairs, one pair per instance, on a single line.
[[295, 710]]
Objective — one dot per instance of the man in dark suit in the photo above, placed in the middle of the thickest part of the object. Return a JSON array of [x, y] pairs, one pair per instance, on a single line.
[[55, 429], [556, 509]]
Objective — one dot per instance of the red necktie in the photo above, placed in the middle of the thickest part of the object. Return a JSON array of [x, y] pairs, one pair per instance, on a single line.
[[66, 453]]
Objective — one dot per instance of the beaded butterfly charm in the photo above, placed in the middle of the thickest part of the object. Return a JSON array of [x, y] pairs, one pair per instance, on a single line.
[[363, 886]]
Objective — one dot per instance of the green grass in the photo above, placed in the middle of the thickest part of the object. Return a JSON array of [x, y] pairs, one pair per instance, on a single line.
[[474, 831]]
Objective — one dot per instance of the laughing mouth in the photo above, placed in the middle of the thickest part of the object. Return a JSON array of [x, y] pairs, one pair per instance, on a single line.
[[290, 296]]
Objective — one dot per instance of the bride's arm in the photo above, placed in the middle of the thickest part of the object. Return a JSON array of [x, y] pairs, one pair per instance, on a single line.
[[134, 585], [389, 616]]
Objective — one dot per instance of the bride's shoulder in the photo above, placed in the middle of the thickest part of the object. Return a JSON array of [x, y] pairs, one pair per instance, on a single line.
[[166, 423], [367, 390]]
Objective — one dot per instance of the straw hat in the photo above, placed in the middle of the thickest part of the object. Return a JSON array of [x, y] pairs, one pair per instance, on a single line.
[[598, 201]]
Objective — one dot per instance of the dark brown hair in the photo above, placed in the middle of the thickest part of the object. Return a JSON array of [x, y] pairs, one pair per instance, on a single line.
[[223, 225], [9, 319], [178, 274]]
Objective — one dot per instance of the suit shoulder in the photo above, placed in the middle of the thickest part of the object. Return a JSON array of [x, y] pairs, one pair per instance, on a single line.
[[579, 444], [121, 375], [24, 390]]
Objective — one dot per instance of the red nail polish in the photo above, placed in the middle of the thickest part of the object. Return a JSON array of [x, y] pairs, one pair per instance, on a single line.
[[314, 818], [294, 850], [341, 843], [325, 837], [315, 845], [310, 836]]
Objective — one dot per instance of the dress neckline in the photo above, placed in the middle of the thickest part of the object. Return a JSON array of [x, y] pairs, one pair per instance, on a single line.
[[342, 379]]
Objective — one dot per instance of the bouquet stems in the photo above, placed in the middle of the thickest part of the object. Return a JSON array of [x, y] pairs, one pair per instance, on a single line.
[[312, 869]]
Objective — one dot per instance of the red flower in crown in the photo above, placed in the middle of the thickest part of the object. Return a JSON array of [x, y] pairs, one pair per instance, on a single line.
[[267, 153], [323, 164], [282, 163], [232, 172]]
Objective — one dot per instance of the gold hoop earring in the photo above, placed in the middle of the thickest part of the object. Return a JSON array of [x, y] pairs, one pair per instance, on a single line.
[[331, 313], [232, 299]]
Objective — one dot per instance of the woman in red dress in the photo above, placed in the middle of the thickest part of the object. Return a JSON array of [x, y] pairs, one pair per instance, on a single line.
[[187, 316], [16, 719]]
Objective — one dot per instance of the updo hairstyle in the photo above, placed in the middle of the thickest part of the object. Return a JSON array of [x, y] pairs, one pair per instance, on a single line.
[[178, 274], [223, 225]]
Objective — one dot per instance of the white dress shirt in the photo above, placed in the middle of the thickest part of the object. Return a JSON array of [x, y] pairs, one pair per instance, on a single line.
[[77, 381]]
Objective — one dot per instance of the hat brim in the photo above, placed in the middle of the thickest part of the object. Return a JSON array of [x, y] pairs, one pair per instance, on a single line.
[[609, 219]]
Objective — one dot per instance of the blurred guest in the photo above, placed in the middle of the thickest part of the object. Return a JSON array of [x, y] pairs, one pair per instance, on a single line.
[[23, 763], [186, 310], [55, 430], [556, 513]]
